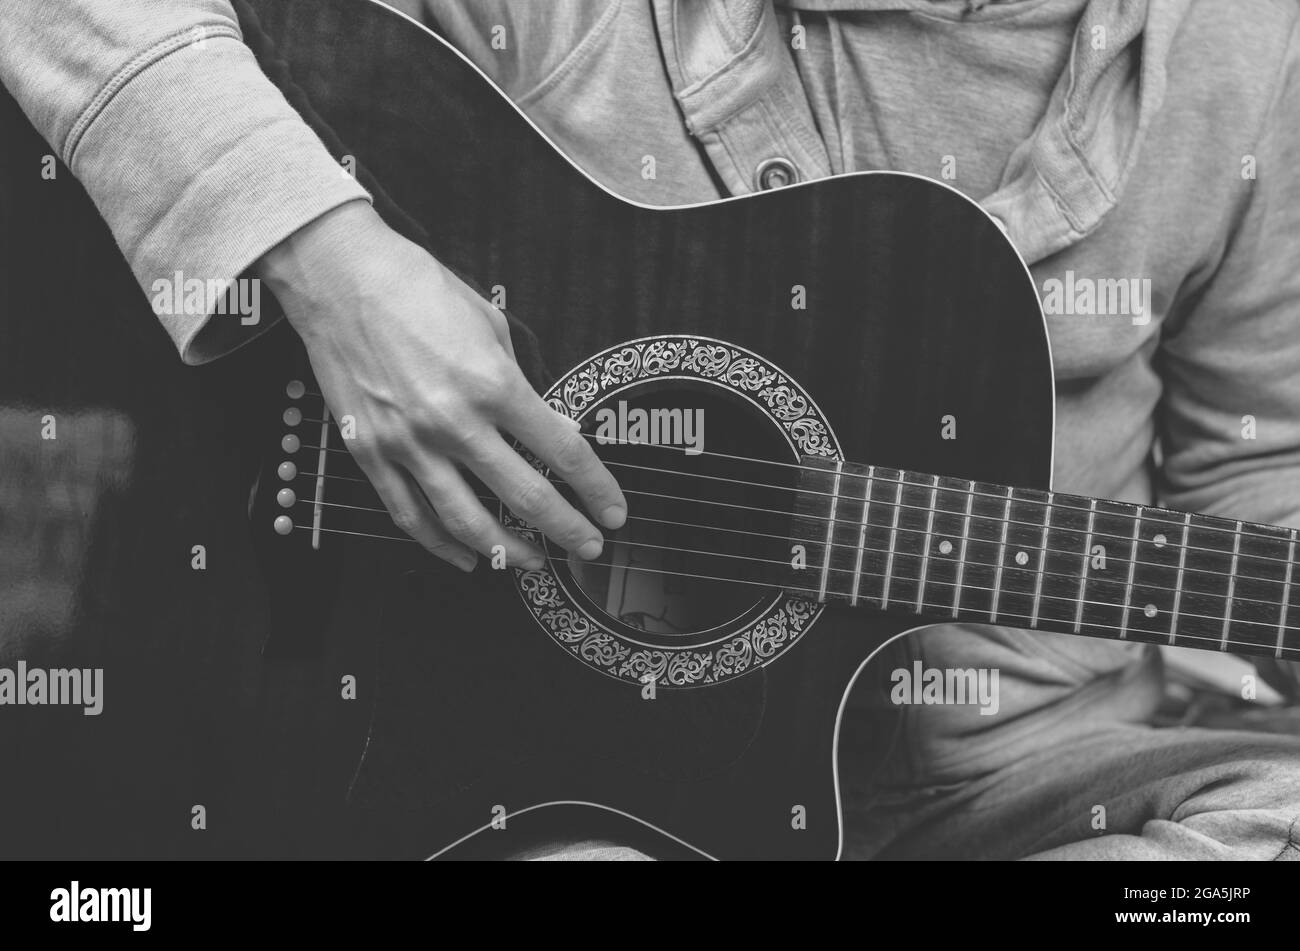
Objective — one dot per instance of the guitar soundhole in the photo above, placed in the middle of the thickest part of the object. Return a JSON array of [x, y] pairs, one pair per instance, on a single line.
[[708, 502]]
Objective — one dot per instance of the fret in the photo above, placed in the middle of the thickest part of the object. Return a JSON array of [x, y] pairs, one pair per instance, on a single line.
[[1153, 572], [1287, 643], [872, 529], [1232, 584], [1023, 556], [893, 540], [830, 531], [929, 534], [1178, 581], [982, 544], [910, 544], [809, 527], [844, 581], [862, 536], [1042, 564], [1065, 557], [1207, 564], [1106, 590], [1286, 596], [1132, 567], [1087, 558], [947, 525], [1002, 552], [961, 557], [1258, 591]]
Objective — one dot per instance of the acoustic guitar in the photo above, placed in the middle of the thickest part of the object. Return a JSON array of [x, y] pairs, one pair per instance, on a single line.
[[830, 407]]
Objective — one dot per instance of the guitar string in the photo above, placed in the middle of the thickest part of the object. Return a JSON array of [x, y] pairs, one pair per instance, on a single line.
[[991, 518], [1059, 506], [916, 508], [850, 571], [884, 551], [1222, 643], [1084, 509], [828, 471]]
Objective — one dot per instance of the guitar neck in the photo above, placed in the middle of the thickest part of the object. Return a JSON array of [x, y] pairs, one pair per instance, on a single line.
[[950, 549]]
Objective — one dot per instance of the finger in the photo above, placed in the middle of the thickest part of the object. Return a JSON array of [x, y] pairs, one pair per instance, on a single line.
[[464, 517], [413, 515], [532, 497], [559, 443], [501, 325]]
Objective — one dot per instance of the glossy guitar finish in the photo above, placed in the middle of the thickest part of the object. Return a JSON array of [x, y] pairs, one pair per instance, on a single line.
[[900, 274], [916, 308]]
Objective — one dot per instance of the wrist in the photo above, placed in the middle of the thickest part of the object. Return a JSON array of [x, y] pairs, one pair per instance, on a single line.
[[318, 264]]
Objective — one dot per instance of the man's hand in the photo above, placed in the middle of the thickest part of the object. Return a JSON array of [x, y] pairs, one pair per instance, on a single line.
[[426, 368]]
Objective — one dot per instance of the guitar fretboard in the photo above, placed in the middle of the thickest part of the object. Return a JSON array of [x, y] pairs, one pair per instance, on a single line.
[[947, 548]]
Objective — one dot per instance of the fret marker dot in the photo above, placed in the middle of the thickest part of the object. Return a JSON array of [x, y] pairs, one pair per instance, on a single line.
[[945, 547], [283, 525], [292, 416], [295, 390], [1159, 541], [1149, 610], [1022, 558], [287, 471]]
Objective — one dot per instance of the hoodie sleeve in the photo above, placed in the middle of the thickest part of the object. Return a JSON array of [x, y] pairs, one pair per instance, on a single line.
[[193, 157], [1230, 429]]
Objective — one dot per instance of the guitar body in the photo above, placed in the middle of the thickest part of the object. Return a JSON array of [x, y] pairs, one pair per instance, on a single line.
[[917, 308], [472, 706]]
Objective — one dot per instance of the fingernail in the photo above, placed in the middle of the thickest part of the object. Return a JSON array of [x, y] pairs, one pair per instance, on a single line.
[[614, 516], [590, 550], [467, 564], [533, 563]]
